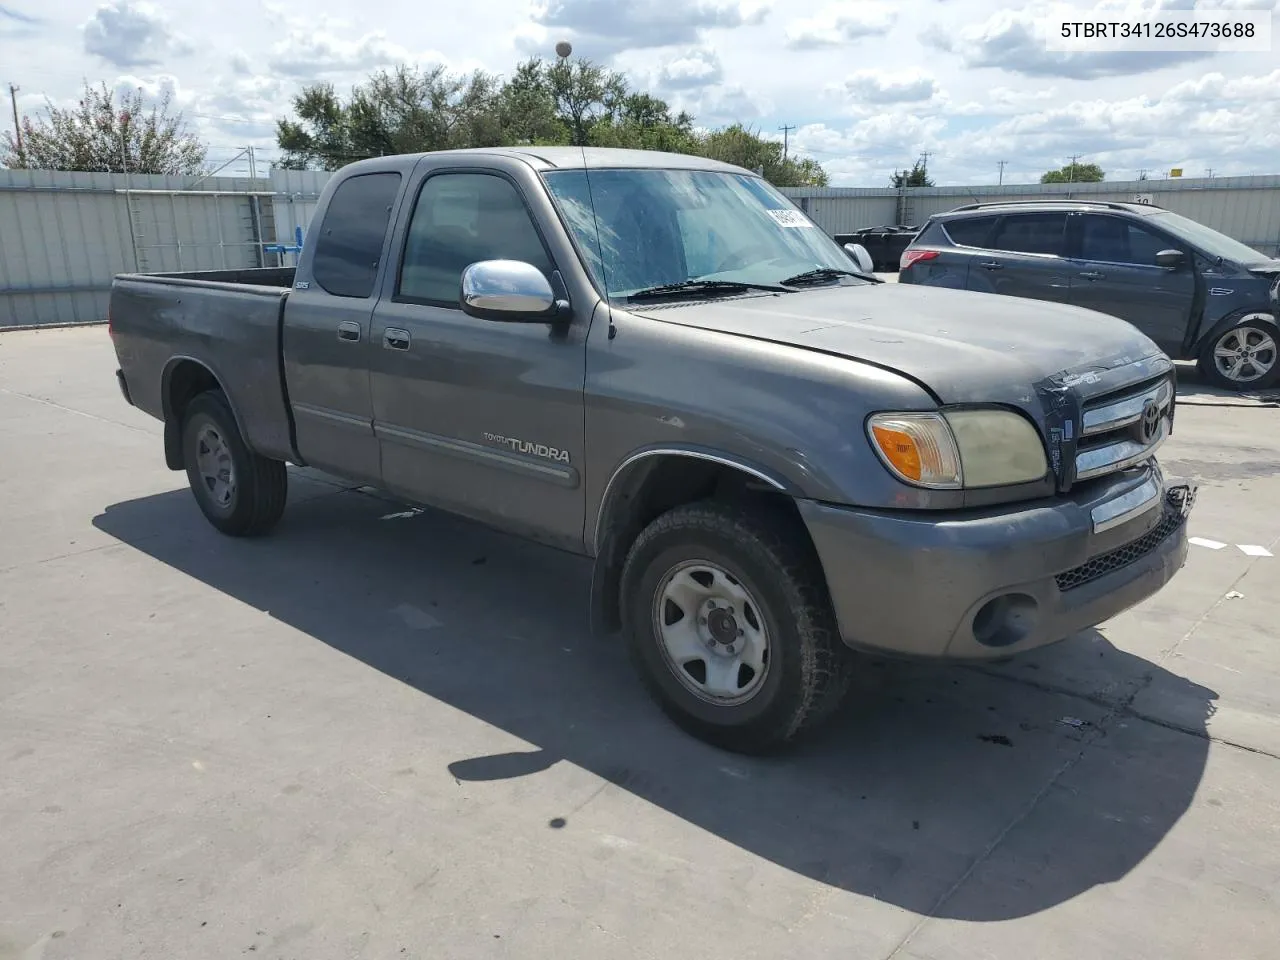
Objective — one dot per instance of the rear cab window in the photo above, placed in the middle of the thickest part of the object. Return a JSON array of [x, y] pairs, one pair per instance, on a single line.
[[352, 234]]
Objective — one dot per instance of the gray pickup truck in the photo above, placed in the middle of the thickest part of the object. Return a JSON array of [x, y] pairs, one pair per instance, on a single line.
[[658, 362]]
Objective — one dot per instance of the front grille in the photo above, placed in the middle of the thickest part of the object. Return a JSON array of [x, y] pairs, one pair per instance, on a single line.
[[1112, 436], [1177, 505]]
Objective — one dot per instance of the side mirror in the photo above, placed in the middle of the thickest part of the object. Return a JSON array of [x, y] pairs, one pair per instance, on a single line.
[[511, 291], [1170, 259], [860, 256]]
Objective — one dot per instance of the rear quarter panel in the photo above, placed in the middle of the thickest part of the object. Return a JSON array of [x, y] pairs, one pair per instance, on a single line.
[[231, 329]]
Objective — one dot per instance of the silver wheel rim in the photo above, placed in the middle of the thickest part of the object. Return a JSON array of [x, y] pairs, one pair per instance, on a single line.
[[1245, 354], [712, 633], [213, 463]]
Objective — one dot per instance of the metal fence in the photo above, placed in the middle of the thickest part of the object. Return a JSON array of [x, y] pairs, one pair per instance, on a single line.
[[64, 236], [1245, 208]]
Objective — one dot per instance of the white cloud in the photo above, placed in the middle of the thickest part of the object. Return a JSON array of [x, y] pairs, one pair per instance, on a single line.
[[317, 52], [690, 69], [599, 29], [132, 33], [877, 87], [839, 24]]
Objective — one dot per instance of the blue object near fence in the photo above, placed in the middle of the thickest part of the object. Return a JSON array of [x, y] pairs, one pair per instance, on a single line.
[[294, 248]]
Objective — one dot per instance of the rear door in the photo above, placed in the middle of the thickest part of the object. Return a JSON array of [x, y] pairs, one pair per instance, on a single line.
[[480, 417], [326, 328], [1024, 258], [1115, 272]]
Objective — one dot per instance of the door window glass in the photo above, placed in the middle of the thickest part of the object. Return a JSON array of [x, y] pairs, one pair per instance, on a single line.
[[1031, 233], [1114, 240], [460, 219], [970, 232]]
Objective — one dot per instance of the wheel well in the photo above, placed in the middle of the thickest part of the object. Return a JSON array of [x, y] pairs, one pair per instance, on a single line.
[[186, 380], [649, 489], [1231, 320]]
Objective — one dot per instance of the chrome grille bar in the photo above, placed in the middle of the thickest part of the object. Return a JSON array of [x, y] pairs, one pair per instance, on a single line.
[[1123, 453], [1120, 413]]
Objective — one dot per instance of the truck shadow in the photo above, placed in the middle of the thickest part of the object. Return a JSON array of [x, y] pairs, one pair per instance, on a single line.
[[1032, 783]]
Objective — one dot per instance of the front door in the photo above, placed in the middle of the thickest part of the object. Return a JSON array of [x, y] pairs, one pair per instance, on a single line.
[[479, 417], [1024, 259], [1115, 272]]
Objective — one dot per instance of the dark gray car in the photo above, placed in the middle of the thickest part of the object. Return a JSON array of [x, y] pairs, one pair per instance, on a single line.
[[1197, 293], [659, 363]]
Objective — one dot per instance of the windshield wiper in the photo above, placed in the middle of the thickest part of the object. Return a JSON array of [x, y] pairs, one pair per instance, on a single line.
[[823, 274], [694, 288]]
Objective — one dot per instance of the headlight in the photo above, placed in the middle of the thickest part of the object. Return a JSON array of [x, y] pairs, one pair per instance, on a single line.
[[961, 448]]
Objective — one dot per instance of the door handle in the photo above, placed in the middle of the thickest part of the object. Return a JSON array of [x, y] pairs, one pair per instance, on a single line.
[[992, 265], [393, 338], [1092, 275], [349, 330]]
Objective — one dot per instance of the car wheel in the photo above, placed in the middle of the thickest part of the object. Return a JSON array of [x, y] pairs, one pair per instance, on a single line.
[[728, 620], [241, 493], [1243, 357]]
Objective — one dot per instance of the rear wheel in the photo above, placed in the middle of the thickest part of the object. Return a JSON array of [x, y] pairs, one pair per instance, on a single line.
[[1243, 357], [241, 493], [728, 620]]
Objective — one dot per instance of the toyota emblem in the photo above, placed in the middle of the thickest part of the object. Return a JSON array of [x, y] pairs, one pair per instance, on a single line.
[[1150, 423]]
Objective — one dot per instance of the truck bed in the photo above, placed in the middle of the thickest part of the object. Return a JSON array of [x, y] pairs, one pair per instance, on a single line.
[[229, 322]]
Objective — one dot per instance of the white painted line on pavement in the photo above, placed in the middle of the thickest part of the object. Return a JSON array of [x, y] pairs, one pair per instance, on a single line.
[[1202, 542], [1253, 550]]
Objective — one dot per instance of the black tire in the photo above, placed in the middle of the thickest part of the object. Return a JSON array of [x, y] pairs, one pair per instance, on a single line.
[[1209, 369], [809, 669], [261, 486]]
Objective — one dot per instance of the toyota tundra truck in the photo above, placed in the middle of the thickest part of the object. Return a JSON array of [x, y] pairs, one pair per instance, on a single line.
[[775, 461]]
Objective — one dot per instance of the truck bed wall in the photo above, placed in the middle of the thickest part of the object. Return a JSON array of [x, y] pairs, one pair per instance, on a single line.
[[231, 328]]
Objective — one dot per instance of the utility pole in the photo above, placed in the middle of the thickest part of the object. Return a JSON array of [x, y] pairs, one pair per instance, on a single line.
[[1001, 164], [786, 140], [17, 125], [1071, 168]]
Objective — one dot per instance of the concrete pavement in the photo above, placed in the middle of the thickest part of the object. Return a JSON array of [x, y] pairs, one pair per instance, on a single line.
[[380, 735]]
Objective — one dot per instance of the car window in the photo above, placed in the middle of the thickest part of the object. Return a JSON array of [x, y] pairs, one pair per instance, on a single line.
[[460, 219], [1030, 233], [1115, 240], [351, 236], [970, 232]]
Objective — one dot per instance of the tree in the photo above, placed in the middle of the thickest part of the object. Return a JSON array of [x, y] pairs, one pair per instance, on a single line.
[[1074, 173], [566, 102], [102, 136], [917, 176]]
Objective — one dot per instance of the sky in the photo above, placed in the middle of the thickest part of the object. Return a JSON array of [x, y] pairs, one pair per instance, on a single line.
[[867, 85]]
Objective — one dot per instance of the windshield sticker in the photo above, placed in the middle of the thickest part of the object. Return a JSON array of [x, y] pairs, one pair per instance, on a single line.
[[790, 218]]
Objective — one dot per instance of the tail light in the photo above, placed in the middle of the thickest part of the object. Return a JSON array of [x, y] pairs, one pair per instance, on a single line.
[[915, 256]]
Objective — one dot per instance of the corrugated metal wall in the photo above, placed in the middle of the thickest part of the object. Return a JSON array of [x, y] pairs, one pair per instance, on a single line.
[[1246, 208], [64, 236]]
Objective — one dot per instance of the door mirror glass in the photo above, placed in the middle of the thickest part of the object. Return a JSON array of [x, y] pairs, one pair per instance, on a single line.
[[860, 256], [1170, 259], [510, 290]]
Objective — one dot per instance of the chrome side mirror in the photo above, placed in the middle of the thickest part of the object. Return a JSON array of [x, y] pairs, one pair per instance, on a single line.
[[509, 290], [860, 256], [1170, 259]]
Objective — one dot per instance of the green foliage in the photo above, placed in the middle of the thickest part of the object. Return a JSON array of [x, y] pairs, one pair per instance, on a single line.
[[574, 102], [917, 176], [102, 136], [1074, 173]]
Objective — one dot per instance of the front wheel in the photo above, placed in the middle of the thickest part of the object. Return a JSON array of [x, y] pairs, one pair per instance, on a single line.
[[239, 492], [1243, 357], [727, 617]]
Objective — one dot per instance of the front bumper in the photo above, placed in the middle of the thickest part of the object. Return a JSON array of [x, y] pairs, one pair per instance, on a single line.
[[994, 583]]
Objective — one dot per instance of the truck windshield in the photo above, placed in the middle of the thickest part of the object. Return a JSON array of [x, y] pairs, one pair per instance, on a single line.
[[1207, 239], [654, 227]]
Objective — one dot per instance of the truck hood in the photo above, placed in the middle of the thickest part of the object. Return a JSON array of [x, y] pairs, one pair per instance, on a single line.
[[964, 347]]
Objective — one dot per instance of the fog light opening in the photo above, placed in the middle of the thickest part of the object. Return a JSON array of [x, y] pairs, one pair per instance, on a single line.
[[1005, 620]]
